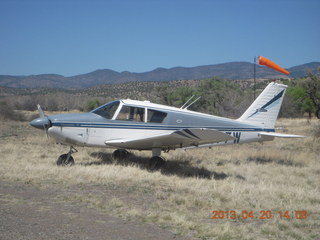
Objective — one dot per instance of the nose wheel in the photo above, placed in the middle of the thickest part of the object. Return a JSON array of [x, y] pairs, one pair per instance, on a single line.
[[67, 160]]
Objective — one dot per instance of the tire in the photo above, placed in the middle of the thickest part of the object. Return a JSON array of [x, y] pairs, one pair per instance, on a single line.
[[62, 161], [155, 163], [120, 154]]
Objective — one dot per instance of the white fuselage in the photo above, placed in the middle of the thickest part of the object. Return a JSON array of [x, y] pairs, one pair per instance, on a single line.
[[141, 125], [92, 130]]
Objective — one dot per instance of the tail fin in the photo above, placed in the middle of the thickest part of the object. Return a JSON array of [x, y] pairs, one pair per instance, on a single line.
[[265, 109]]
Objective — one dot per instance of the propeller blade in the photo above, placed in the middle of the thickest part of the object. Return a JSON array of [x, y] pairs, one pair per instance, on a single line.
[[41, 113], [46, 130]]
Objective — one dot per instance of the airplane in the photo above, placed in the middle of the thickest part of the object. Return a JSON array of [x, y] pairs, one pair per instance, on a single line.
[[142, 125]]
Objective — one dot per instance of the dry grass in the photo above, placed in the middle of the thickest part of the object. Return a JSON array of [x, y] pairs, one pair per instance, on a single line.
[[276, 176]]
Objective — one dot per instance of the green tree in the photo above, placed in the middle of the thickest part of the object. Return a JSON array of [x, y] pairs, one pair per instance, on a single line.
[[92, 104], [218, 95], [297, 93], [176, 97], [180, 96], [306, 93], [312, 85]]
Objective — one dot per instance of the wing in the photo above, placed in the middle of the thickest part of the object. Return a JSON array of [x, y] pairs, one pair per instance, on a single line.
[[172, 139], [281, 135]]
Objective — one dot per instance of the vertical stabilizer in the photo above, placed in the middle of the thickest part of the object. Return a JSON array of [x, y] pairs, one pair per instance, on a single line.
[[265, 109]]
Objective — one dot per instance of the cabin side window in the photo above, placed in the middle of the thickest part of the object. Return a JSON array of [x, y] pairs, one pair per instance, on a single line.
[[155, 116], [107, 111], [128, 113]]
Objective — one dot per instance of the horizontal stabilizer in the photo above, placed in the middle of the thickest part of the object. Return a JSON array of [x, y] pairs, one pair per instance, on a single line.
[[281, 135]]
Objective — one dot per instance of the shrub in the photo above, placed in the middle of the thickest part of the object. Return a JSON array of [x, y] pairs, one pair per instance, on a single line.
[[316, 130], [92, 104], [7, 113]]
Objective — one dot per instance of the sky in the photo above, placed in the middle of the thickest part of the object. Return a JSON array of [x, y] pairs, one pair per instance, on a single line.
[[71, 37]]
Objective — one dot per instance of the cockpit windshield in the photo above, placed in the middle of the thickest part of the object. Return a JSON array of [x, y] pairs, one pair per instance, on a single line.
[[107, 111]]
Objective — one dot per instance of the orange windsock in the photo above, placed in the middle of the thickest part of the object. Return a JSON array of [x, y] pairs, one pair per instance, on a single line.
[[270, 64]]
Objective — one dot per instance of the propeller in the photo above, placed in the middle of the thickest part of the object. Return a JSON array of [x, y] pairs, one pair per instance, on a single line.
[[42, 122]]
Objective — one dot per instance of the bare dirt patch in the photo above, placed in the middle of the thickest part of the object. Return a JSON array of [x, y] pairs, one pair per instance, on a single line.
[[28, 212]]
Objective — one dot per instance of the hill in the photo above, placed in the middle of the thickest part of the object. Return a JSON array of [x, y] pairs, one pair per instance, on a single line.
[[231, 70]]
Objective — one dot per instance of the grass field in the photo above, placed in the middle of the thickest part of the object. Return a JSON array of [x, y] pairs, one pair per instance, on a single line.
[[252, 182]]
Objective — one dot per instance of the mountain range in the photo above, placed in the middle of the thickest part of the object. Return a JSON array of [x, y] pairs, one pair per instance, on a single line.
[[231, 70]]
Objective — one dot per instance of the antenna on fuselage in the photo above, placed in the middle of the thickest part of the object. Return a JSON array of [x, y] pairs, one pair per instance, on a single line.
[[182, 107], [192, 103]]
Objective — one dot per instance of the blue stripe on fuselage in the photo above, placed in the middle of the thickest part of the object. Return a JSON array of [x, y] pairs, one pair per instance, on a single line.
[[156, 127]]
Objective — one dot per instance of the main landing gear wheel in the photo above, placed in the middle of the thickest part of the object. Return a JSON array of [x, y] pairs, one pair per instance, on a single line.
[[66, 159], [156, 163], [120, 154]]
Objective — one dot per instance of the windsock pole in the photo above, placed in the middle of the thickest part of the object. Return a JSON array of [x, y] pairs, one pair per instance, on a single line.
[[254, 77]]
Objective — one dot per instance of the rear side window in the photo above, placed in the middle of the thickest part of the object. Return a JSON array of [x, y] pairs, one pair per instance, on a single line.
[[155, 116]]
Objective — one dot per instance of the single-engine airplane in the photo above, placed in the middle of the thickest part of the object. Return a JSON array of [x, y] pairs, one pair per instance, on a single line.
[[142, 125]]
